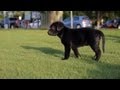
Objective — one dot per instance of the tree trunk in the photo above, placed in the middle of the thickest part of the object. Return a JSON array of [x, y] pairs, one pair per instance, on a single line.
[[98, 19], [55, 16]]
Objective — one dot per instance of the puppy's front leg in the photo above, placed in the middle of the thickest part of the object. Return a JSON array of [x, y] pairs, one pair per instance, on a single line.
[[67, 52]]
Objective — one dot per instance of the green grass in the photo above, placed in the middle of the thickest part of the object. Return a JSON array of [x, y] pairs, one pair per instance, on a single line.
[[33, 54]]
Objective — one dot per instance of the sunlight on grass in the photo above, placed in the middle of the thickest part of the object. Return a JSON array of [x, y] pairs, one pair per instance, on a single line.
[[35, 54]]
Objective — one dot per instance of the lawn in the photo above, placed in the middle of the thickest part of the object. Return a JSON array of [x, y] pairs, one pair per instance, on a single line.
[[33, 54]]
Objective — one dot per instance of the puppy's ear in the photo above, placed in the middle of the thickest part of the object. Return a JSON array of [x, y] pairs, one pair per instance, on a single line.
[[52, 27], [60, 26]]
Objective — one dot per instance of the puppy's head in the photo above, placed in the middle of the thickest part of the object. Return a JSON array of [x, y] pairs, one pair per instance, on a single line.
[[55, 28]]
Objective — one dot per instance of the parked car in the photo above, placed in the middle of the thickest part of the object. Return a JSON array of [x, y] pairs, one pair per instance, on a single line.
[[1, 24], [78, 22], [35, 24], [14, 22], [108, 24], [114, 23]]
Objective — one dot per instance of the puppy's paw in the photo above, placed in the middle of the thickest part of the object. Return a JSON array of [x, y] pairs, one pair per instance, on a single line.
[[64, 59], [76, 56]]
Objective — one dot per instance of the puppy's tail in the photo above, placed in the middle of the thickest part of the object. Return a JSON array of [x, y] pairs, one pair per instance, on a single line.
[[103, 41]]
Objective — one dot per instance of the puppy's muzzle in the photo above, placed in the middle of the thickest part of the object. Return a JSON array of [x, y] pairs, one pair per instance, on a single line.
[[51, 33]]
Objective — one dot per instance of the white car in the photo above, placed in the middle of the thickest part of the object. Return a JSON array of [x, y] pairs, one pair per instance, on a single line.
[[35, 24]]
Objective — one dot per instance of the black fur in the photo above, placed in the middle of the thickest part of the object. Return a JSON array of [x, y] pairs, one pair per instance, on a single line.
[[74, 38]]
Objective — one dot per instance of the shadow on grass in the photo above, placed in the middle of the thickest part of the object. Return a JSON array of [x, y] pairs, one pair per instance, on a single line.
[[104, 71], [87, 58], [98, 70], [55, 52], [46, 50], [113, 38], [58, 53]]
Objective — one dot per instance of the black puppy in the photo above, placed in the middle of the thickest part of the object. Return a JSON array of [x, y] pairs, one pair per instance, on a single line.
[[74, 38]]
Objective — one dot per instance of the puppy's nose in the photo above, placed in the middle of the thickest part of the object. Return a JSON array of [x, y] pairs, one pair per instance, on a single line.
[[48, 33]]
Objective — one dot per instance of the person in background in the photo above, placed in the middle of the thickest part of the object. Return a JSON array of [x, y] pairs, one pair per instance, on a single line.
[[102, 21], [19, 19]]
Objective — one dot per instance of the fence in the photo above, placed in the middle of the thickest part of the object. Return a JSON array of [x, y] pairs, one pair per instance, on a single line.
[[44, 20]]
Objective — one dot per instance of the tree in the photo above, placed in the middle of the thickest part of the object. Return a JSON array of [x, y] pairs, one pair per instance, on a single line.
[[55, 16]]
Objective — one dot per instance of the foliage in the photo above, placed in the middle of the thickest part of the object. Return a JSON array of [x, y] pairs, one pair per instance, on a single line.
[[93, 14]]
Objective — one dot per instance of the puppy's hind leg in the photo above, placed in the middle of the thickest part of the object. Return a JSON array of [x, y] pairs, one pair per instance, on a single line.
[[97, 51]]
